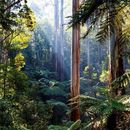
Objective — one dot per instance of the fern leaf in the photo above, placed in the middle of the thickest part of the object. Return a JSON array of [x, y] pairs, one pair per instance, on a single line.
[[75, 126]]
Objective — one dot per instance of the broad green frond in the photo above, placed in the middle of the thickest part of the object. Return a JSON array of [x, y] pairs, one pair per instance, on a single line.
[[101, 107], [122, 81]]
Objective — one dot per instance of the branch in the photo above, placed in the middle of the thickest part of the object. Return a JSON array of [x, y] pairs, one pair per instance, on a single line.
[[11, 5], [5, 38]]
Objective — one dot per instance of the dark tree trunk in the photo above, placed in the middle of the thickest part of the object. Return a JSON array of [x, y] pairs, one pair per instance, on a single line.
[[116, 69], [116, 66]]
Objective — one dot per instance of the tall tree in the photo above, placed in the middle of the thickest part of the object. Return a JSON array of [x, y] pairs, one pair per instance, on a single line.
[[75, 79], [88, 52], [61, 75], [56, 32], [98, 10]]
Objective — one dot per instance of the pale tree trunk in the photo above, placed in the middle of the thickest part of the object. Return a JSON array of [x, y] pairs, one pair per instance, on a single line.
[[99, 54], [87, 40], [62, 41], [56, 27], [75, 66], [88, 52], [111, 57]]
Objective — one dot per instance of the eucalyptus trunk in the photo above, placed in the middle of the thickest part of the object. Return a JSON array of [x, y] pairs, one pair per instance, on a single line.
[[56, 36], [75, 66], [62, 41]]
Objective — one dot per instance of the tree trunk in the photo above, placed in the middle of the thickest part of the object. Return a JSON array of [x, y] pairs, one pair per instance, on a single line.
[[116, 69], [75, 79], [61, 73], [88, 52], [119, 61], [116, 66], [56, 27]]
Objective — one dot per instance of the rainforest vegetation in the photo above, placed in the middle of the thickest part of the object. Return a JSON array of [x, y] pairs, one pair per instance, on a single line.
[[64, 65]]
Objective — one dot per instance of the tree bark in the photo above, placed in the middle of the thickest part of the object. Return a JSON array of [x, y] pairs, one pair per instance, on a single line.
[[56, 27], [62, 41], [116, 69], [75, 74], [116, 66], [88, 52]]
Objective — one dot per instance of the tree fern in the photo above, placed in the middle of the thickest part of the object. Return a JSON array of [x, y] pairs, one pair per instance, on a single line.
[[100, 108], [122, 81], [118, 18], [97, 11]]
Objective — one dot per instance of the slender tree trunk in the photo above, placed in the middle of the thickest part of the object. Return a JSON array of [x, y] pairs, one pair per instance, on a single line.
[[75, 79], [111, 57], [62, 41], [56, 27], [5, 59], [88, 52], [99, 54]]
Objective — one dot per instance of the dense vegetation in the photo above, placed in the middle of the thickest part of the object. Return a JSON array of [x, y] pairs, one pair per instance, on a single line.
[[46, 85]]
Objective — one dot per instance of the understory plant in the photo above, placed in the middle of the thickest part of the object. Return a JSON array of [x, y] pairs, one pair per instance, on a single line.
[[98, 110]]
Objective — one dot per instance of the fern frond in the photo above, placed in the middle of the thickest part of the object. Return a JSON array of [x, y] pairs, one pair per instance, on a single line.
[[75, 125], [122, 81], [118, 18], [100, 108]]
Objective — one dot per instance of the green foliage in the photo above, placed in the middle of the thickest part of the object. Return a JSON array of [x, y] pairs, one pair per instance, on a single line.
[[57, 103], [14, 36], [101, 107], [120, 15], [6, 118], [28, 17], [75, 126], [24, 114], [19, 61], [45, 73], [86, 71], [62, 107], [18, 79], [18, 110], [97, 14], [94, 75], [104, 76], [121, 82], [20, 40], [56, 127], [36, 114], [18, 13], [53, 91]]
